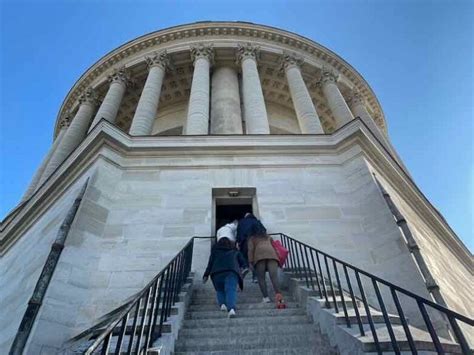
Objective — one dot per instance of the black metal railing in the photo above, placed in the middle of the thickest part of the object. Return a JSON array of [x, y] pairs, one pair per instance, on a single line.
[[141, 322], [322, 273]]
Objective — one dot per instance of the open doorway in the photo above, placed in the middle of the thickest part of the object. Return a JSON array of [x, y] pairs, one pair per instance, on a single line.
[[232, 203], [227, 213]]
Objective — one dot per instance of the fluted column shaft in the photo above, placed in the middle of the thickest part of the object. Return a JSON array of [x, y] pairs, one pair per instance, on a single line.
[[336, 101], [255, 112], [359, 109], [226, 117], [74, 134], [142, 123], [112, 100], [36, 178], [308, 118], [198, 111]]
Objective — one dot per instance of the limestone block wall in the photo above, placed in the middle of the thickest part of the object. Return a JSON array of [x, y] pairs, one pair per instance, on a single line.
[[22, 265], [138, 212], [454, 278]]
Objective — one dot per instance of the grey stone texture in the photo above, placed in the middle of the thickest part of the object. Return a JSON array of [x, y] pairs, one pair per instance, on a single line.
[[305, 111], [226, 117], [74, 135], [336, 101], [198, 109], [148, 105], [131, 222]]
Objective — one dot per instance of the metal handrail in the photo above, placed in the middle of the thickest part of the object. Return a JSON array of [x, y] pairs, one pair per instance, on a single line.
[[154, 301], [305, 261]]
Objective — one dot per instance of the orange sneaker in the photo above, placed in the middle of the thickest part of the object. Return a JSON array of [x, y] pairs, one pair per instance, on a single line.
[[280, 303]]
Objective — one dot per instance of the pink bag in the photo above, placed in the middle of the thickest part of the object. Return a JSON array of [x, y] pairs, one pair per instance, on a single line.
[[281, 251]]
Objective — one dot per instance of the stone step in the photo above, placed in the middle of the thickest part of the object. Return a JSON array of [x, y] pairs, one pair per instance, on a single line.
[[347, 301], [251, 292], [249, 313], [237, 331], [377, 317], [243, 321], [246, 342], [241, 306], [300, 350], [422, 339], [241, 298]]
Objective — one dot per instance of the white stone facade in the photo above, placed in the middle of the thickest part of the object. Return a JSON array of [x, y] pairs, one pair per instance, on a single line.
[[216, 105]]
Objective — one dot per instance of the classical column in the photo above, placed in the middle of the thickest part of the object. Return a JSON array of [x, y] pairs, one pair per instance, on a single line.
[[226, 117], [74, 134], [63, 125], [357, 103], [147, 107], [109, 108], [255, 112], [198, 111], [305, 111], [336, 101]]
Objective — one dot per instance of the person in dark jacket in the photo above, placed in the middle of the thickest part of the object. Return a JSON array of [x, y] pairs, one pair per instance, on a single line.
[[227, 267], [246, 228]]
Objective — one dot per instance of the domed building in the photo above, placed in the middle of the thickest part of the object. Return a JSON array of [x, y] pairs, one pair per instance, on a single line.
[[180, 131]]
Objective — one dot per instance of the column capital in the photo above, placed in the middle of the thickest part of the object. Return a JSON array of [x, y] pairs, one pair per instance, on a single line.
[[159, 59], [247, 50], [202, 51], [66, 120], [356, 98], [290, 60], [89, 96], [120, 75], [328, 75]]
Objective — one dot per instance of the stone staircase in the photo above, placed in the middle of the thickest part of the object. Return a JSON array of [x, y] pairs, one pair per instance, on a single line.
[[259, 328], [309, 325], [348, 340]]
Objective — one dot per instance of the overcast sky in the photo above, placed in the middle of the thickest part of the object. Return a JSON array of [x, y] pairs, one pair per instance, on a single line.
[[416, 55]]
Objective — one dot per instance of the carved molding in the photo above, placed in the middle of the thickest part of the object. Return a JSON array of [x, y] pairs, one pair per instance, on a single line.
[[328, 75], [289, 60], [89, 96], [120, 75], [247, 50], [356, 98], [193, 32], [159, 59], [202, 51], [66, 120]]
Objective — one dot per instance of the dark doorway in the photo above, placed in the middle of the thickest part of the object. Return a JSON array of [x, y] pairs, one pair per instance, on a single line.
[[227, 213]]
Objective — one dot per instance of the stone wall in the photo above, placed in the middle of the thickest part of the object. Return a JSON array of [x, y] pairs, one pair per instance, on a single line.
[[22, 265], [139, 211], [453, 277]]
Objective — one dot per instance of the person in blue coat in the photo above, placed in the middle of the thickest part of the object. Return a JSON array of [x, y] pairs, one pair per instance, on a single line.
[[227, 268], [246, 228]]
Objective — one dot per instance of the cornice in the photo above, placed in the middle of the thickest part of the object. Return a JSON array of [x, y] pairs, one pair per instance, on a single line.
[[105, 135], [243, 32]]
